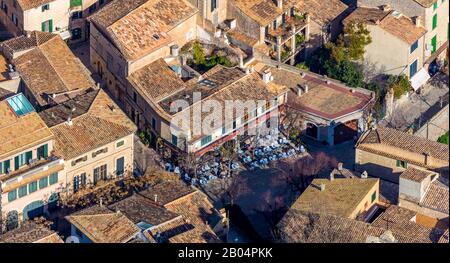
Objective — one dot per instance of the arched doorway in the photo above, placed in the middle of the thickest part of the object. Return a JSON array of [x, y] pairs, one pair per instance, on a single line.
[[345, 131], [33, 210], [312, 131], [12, 220]]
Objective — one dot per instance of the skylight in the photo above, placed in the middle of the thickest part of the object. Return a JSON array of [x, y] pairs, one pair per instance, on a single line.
[[20, 104]]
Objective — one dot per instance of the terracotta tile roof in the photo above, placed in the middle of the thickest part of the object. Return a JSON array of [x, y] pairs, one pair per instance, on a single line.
[[242, 37], [102, 124], [323, 12], [156, 81], [386, 141], [263, 12], [167, 191], [19, 133], [425, 3], [415, 175], [104, 226], [30, 232], [194, 207], [303, 227], [5, 93], [444, 238], [140, 209], [140, 27], [399, 220], [436, 197], [328, 101], [340, 197], [29, 4], [35, 39], [74, 107], [400, 26], [63, 71]]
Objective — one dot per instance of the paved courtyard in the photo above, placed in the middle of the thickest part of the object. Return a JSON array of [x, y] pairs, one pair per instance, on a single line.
[[416, 110]]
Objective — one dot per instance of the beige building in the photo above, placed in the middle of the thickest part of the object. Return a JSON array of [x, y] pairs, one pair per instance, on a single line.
[[387, 153], [64, 17], [93, 136], [435, 17], [279, 27], [397, 44], [344, 197], [20, 16], [30, 171], [122, 43], [422, 191]]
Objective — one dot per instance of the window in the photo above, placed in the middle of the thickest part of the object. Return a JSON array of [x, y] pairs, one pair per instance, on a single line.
[[76, 33], [374, 196], [206, 140], [12, 195], [79, 160], [95, 154], [153, 123], [32, 187], [134, 97], [77, 15], [213, 5], [100, 173], [224, 129], [120, 144], [234, 125], [101, 2], [435, 5], [120, 166], [45, 7], [413, 69], [42, 152], [403, 164], [5, 166], [433, 45], [434, 21], [23, 191], [76, 183], [53, 178], [19, 161], [414, 46], [43, 182], [174, 140], [47, 26]]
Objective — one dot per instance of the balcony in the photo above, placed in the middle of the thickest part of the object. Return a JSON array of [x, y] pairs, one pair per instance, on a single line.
[[35, 166], [292, 26]]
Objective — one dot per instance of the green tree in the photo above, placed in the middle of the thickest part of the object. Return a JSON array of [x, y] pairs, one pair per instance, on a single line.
[[444, 138], [351, 44], [400, 85], [345, 71], [199, 56]]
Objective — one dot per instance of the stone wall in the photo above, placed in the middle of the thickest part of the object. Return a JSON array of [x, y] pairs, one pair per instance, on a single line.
[[436, 127]]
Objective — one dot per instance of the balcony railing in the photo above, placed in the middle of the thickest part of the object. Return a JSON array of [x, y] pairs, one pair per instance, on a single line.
[[292, 26]]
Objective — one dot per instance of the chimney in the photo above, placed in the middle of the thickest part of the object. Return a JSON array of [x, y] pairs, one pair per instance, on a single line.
[[174, 50], [418, 21], [340, 166], [156, 198], [322, 187], [279, 3], [364, 175], [331, 176], [69, 121], [101, 201], [426, 158], [306, 88], [267, 76], [386, 8], [299, 91], [28, 34]]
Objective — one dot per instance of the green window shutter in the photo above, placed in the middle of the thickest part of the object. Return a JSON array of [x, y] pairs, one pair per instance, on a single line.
[[50, 25], [43, 27], [12, 195], [7, 165], [43, 182], [434, 45], [434, 21], [28, 156], [23, 191], [399, 163], [53, 178], [75, 3], [16, 163], [32, 187], [46, 151], [374, 196]]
